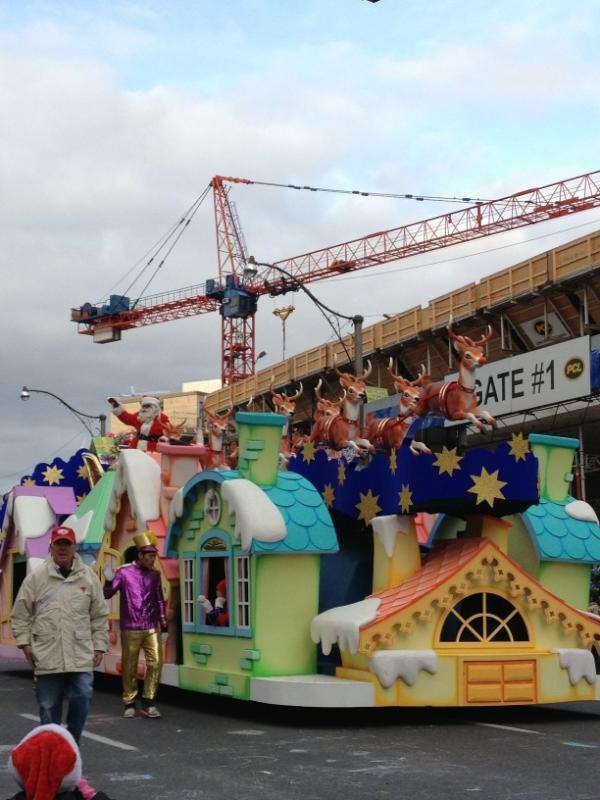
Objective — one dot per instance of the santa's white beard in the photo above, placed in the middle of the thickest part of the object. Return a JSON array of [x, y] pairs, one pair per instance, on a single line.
[[148, 414]]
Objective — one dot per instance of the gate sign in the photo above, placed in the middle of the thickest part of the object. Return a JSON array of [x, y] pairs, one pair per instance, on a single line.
[[539, 378]]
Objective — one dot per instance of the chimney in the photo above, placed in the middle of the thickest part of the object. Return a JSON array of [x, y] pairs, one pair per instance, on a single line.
[[259, 437], [178, 464], [396, 554], [555, 456]]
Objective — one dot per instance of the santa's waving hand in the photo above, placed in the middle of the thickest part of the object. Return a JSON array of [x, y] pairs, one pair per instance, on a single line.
[[150, 424]]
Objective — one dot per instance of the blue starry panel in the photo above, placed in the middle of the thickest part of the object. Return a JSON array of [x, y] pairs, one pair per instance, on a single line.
[[431, 488], [559, 537]]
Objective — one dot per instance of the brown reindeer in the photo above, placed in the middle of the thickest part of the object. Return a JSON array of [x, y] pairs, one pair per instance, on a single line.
[[330, 427], [456, 400], [285, 404], [390, 432], [355, 394], [215, 456]]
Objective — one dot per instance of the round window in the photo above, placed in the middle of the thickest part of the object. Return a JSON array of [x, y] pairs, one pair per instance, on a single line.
[[212, 506]]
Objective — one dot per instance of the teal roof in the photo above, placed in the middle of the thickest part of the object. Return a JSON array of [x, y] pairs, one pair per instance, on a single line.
[[559, 537], [97, 501], [309, 528]]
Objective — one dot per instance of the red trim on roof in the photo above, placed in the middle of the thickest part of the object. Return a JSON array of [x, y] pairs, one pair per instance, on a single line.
[[443, 562]]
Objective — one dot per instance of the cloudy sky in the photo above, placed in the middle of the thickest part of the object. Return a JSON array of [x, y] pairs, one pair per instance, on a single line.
[[115, 116]]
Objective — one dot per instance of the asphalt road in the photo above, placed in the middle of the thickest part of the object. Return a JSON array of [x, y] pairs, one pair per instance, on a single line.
[[205, 747]]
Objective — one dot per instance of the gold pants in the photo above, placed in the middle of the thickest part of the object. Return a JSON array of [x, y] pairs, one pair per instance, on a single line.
[[131, 644]]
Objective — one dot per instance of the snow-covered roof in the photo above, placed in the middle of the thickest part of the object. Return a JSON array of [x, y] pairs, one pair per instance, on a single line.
[[138, 474], [342, 625], [307, 526], [566, 531]]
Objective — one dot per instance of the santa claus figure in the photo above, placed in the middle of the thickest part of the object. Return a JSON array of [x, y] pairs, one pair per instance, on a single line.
[[150, 424]]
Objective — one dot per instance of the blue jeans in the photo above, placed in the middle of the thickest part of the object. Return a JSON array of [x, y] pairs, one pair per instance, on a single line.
[[76, 687]]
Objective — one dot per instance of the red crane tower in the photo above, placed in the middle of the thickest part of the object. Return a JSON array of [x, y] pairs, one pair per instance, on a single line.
[[236, 291]]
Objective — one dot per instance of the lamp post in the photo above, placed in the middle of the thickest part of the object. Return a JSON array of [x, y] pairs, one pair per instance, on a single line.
[[283, 314], [26, 392], [357, 320]]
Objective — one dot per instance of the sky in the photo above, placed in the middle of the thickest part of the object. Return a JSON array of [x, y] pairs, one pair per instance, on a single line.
[[116, 115]]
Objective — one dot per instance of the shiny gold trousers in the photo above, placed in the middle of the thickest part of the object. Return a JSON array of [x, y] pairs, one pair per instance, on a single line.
[[131, 644]]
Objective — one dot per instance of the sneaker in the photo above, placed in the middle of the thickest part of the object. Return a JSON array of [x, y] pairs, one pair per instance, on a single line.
[[129, 713], [151, 712]]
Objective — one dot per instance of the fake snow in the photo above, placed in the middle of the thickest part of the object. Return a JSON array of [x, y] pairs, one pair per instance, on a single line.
[[79, 525], [387, 528], [176, 509], [138, 474], [32, 517], [342, 625], [578, 509], [578, 662], [256, 517], [389, 665]]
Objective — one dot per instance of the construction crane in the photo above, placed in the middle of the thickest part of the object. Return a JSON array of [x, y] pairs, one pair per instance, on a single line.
[[235, 292]]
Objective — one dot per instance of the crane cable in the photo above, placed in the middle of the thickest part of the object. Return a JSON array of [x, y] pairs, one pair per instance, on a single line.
[[360, 193], [176, 231]]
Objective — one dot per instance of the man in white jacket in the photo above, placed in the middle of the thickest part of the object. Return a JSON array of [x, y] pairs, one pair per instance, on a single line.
[[60, 621]]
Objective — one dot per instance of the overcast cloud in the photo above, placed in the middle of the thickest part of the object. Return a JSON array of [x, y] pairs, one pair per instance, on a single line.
[[115, 116]]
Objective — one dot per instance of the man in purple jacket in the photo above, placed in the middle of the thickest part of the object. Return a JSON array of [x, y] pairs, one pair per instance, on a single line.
[[142, 612]]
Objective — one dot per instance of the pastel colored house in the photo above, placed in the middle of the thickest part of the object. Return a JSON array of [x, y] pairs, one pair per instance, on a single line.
[[264, 531], [31, 511], [470, 624], [135, 498]]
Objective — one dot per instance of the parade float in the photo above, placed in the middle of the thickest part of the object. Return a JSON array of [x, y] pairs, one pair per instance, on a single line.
[[362, 565]]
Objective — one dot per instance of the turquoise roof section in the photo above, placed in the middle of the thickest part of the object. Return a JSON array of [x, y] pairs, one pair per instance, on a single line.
[[96, 501], [260, 418], [554, 441], [309, 528], [559, 537]]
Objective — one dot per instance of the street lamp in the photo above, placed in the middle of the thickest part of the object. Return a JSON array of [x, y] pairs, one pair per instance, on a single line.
[[283, 314], [26, 392], [262, 354]]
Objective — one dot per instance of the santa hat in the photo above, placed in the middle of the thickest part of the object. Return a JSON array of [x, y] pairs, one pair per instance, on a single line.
[[47, 761], [150, 401], [222, 587]]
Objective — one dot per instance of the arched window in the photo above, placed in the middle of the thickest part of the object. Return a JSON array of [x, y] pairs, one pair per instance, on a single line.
[[484, 618]]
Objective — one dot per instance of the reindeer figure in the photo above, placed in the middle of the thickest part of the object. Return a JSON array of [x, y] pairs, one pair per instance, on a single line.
[[330, 427], [456, 400], [215, 456], [355, 394], [285, 404], [390, 432]]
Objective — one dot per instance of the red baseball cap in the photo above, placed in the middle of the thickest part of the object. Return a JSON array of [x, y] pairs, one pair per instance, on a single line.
[[61, 533]]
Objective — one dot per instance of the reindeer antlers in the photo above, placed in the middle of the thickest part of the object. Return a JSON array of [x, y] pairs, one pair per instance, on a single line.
[[400, 379], [466, 339]]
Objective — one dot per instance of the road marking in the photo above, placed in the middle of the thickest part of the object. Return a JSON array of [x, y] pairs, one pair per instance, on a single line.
[[129, 776], [581, 744], [93, 736], [246, 732], [6, 747], [508, 728]]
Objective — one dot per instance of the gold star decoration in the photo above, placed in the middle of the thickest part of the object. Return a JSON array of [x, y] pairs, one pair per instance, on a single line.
[[447, 461], [308, 452], [368, 506], [405, 498], [341, 473], [83, 472], [487, 487], [28, 482], [519, 446], [393, 461], [328, 495], [53, 475]]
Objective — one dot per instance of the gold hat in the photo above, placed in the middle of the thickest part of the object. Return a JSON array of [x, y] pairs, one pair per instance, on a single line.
[[146, 541]]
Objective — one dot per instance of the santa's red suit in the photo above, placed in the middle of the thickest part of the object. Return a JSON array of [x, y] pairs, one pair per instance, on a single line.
[[150, 424]]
